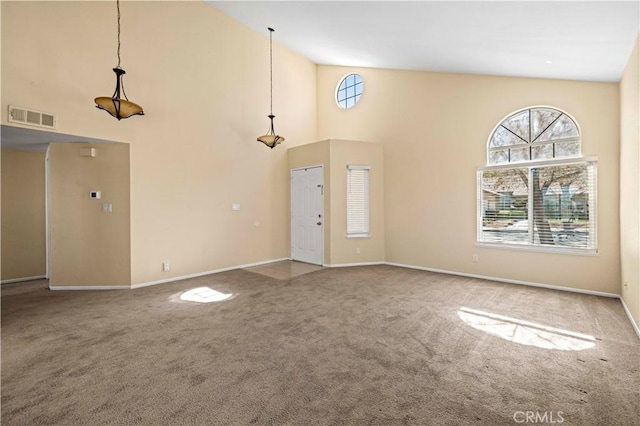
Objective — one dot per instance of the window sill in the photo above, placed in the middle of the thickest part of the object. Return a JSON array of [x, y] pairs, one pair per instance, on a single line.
[[364, 235], [539, 249]]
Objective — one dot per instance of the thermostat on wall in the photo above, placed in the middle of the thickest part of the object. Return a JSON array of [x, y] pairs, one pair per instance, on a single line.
[[95, 195]]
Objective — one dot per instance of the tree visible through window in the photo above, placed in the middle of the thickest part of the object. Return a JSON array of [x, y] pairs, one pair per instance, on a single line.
[[547, 198]]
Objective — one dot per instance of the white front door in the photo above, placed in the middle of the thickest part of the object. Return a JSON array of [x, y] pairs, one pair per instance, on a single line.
[[307, 193]]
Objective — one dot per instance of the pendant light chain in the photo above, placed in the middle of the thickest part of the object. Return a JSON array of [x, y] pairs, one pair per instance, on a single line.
[[118, 6], [118, 105], [271, 139]]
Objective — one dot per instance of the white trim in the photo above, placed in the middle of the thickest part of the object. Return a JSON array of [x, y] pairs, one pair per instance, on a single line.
[[358, 226], [510, 281], [306, 168], [150, 283], [358, 167], [47, 213], [532, 107], [635, 326], [592, 169], [344, 265], [200, 274], [359, 235], [527, 164], [18, 280], [526, 144], [89, 287], [340, 81], [324, 213]]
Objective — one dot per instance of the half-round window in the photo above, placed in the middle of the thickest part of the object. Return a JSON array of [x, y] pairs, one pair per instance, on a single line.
[[536, 134], [349, 91]]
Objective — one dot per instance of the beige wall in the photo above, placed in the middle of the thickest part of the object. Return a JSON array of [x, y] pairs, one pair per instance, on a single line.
[[204, 87], [343, 249], [23, 215], [630, 183], [89, 247], [434, 128], [334, 156], [203, 81]]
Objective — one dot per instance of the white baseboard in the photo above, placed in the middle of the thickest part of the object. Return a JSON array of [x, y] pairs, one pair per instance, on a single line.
[[633, 321], [532, 284], [344, 265], [18, 280], [200, 274], [510, 281], [89, 287]]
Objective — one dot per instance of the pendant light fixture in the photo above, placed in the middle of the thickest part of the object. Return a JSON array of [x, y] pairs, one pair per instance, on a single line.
[[271, 139], [115, 105]]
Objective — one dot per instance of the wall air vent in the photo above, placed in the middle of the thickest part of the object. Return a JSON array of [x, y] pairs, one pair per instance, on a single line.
[[31, 117]]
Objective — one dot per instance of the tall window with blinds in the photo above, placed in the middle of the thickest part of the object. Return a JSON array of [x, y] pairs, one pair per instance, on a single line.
[[357, 201], [539, 201]]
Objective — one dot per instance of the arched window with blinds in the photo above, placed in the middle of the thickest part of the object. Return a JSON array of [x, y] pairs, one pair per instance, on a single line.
[[537, 190]]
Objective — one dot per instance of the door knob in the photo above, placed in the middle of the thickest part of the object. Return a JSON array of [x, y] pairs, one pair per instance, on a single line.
[[319, 223]]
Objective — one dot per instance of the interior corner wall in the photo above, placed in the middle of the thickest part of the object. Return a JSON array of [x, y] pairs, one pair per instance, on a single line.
[[334, 156], [203, 81], [89, 246], [23, 215], [630, 183], [434, 129]]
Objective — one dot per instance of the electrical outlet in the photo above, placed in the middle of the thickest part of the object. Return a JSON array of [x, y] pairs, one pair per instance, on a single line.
[[165, 266], [358, 250], [474, 258]]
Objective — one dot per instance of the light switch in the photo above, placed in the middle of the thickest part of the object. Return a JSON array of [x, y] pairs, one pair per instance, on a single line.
[[235, 207], [107, 208]]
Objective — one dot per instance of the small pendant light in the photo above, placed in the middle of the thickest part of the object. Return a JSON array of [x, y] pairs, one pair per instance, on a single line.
[[271, 139], [115, 105]]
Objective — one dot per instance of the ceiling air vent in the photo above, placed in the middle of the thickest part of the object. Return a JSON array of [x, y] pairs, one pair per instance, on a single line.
[[31, 117]]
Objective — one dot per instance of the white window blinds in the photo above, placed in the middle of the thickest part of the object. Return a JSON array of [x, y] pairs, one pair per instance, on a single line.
[[357, 201], [544, 205]]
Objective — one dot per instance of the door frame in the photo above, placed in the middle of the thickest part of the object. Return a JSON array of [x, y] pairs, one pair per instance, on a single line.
[[47, 214], [324, 216]]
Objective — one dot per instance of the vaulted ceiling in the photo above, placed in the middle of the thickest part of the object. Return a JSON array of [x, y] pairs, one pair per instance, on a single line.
[[575, 40]]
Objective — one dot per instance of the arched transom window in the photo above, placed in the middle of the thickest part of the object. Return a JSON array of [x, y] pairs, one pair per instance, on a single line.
[[541, 133]]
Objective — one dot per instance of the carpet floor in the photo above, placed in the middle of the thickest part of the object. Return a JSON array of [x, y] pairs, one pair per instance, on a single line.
[[374, 345]]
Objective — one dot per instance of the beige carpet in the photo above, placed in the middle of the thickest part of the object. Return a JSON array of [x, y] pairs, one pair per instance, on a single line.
[[375, 345]]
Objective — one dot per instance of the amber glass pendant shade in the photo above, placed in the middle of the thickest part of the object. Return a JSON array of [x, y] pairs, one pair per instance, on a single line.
[[270, 139], [115, 105]]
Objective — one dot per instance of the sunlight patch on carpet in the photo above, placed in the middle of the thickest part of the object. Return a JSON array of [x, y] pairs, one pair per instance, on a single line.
[[525, 332], [204, 295]]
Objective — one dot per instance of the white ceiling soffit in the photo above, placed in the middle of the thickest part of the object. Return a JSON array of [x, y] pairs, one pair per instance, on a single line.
[[22, 139], [575, 40]]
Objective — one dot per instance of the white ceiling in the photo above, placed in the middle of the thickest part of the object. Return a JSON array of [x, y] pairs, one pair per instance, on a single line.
[[575, 40]]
